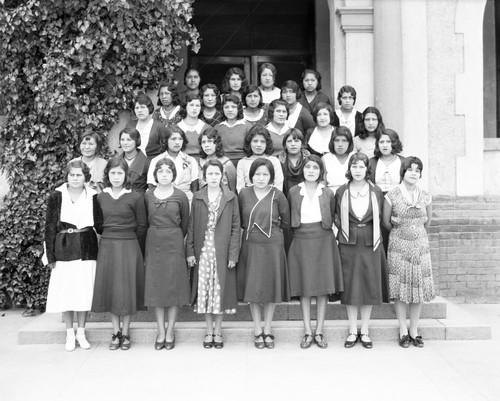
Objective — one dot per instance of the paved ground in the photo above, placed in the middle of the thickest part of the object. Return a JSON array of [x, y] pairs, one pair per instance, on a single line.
[[443, 370]]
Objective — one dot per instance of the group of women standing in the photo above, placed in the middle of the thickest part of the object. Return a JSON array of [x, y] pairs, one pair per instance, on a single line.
[[291, 205]]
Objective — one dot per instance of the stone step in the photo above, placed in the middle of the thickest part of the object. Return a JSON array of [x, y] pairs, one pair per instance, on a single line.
[[459, 325], [286, 311]]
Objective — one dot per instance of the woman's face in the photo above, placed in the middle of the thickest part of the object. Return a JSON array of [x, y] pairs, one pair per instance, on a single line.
[[213, 176], [385, 145], [346, 101], [261, 177], [279, 115], [175, 143], [340, 145], [258, 145], [267, 78], [127, 143], [358, 171], [192, 80], [88, 146], [164, 176], [412, 175], [253, 99], [293, 145], [371, 122], [311, 171], [323, 118], [165, 97], [141, 111], [310, 82], [230, 110], [76, 178], [116, 177], [235, 82], [193, 108], [289, 96], [208, 145], [209, 98]]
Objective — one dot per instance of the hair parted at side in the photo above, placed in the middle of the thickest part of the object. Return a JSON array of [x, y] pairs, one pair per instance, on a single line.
[[259, 163], [212, 162], [78, 163], [341, 132], [406, 164], [273, 105], [356, 157], [116, 162], [397, 145], [316, 159], [312, 72], [295, 133], [144, 100], [133, 133], [97, 138], [172, 88], [237, 101], [254, 131], [213, 134]]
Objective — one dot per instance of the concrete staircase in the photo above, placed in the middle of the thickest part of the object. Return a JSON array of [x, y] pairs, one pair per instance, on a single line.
[[440, 320]]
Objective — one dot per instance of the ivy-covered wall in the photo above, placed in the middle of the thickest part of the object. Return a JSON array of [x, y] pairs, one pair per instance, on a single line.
[[67, 66]]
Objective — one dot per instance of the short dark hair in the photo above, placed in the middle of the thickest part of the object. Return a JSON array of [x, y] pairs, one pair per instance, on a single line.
[[347, 89], [363, 133], [251, 89], [189, 98], [294, 86], [211, 133], [172, 88], [295, 133], [165, 162], [226, 88], [346, 133], [112, 163], [169, 131], [254, 131], [406, 164], [78, 163], [268, 66], [272, 106], [237, 101], [145, 100], [262, 162], [356, 157], [313, 72], [397, 145], [97, 138], [321, 106], [134, 134], [212, 162], [315, 159], [216, 92]]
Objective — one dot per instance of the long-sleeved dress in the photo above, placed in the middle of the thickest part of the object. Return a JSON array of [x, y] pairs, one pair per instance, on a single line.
[[214, 239], [262, 272], [361, 252], [167, 278], [119, 282], [71, 242]]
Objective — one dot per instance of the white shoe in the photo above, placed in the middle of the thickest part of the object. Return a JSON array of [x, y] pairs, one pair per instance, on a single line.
[[70, 343], [82, 341]]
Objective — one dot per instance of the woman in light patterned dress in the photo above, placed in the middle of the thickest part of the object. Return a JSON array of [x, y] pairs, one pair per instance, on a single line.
[[212, 248], [407, 215]]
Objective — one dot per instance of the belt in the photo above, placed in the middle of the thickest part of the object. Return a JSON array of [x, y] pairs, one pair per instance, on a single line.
[[75, 230], [361, 225]]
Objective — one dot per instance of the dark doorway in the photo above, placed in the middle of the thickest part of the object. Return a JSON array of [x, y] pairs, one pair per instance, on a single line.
[[247, 33]]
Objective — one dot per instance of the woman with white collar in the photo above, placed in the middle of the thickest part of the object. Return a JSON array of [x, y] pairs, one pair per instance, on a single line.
[[313, 258], [298, 117], [119, 282], [347, 115], [407, 215], [318, 138], [169, 102], [191, 124], [175, 143], [277, 113]]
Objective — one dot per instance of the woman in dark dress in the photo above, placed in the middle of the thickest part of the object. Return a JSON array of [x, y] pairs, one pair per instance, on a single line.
[[211, 105], [358, 211], [234, 82], [169, 102], [167, 278], [311, 87], [212, 249], [262, 272], [347, 115], [138, 163], [119, 283], [313, 258]]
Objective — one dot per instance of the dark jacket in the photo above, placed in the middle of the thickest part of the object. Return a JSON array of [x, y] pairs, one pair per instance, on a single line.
[[326, 204], [138, 172]]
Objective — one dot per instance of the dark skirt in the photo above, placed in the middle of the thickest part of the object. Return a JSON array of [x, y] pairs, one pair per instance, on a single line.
[[365, 276], [262, 271], [314, 262], [119, 280], [167, 277]]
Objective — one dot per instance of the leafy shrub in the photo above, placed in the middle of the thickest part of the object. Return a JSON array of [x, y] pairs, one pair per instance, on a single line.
[[67, 66]]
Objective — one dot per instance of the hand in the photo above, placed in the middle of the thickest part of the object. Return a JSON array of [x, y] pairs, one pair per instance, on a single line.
[[231, 264], [191, 261], [52, 265]]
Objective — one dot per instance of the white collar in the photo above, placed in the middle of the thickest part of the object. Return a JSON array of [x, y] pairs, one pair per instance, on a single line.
[[238, 122], [122, 192], [317, 193], [283, 130]]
